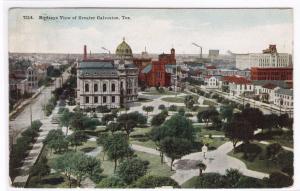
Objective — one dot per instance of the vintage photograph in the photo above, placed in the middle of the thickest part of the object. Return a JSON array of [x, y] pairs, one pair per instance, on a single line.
[[151, 97]]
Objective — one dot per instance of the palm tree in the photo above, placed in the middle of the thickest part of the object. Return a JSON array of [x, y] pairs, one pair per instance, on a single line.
[[201, 167]]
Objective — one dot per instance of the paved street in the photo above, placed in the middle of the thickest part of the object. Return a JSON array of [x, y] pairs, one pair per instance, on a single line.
[[22, 120]]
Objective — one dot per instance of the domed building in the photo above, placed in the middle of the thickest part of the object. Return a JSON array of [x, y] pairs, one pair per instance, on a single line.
[[124, 51]]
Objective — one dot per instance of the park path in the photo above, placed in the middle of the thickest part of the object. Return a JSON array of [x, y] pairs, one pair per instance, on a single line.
[[216, 161]]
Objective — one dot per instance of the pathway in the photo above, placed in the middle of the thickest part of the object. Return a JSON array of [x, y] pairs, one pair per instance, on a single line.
[[216, 161]]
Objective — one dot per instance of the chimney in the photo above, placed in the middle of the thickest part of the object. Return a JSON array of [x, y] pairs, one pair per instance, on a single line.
[[84, 53]]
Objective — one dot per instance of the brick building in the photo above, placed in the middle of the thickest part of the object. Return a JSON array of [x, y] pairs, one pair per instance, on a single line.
[[271, 73], [156, 73]]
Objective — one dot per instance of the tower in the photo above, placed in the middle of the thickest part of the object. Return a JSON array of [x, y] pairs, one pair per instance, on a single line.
[[173, 53], [84, 53]]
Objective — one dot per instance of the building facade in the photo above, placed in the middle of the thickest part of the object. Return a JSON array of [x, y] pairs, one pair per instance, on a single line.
[[268, 59], [285, 73], [284, 99]]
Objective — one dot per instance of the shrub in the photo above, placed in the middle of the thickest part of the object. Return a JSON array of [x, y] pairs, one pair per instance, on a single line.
[[173, 108], [151, 181], [102, 109], [111, 182], [158, 119], [162, 107]]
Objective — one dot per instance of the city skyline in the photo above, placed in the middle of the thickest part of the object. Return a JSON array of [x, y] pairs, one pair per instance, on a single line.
[[237, 30]]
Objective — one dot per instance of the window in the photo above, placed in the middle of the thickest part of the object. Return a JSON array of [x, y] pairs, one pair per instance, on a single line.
[[121, 84], [113, 99], [113, 87], [95, 99], [87, 99], [104, 88], [95, 87], [86, 87], [104, 99]]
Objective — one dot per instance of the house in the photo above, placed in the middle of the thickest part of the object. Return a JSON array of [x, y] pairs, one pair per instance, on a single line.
[[238, 86], [283, 98], [212, 82]]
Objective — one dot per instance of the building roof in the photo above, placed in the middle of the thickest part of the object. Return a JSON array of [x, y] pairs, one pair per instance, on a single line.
[[285, 91], [124, 50], [103, 64], [269, 86], [210, 67], [277, 83], [147, 69], [236, 80]]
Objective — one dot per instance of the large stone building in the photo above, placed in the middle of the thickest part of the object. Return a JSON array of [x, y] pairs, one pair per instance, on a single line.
[[111, 83], [270, 58]]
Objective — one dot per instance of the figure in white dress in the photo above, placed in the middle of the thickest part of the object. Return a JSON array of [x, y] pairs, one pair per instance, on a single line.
[[204, 151]]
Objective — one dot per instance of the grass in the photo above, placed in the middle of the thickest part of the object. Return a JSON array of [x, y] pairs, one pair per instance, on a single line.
[[179, 99], [208, 102], [148, 143], [258, 164], [206, 131], [155, 167], [139, 137], [214, 143], [155, 92]]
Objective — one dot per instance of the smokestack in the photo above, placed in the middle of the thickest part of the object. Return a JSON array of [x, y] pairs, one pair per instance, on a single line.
[[84, 53]]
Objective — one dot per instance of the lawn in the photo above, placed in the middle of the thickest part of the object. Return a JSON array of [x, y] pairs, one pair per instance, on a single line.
[[259, 164], [179, 99], [139, 137], [155, 167], [155, 92], [144, 100], [206, 131]]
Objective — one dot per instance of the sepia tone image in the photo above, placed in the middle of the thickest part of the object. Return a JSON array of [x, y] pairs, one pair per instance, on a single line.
[[150, 98]]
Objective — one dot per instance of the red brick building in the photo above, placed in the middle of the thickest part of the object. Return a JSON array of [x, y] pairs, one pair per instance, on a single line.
[[155, 74], [271, 73]]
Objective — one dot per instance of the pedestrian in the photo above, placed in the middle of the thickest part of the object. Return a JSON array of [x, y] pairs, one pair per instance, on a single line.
[[204, 151]]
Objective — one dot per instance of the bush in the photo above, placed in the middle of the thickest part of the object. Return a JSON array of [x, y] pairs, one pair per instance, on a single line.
[[211, 180], [151, 181], [173, 108], [251, 151], [279, 180], [162, 107], [111, 182], [249, 182], [189, 115], [107, 117], [102, 109]]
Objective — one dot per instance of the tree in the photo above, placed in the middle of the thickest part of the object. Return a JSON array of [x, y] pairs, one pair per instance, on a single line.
[[111, 182], [41, 168], [113, 127], [254, 116], [286, 160], [226, 112], [151, 181], [132, 169], [56, 140], [82, 122], [283, 120], [272, 150], [77, 138], [116, 147], [158, 119], [271, 121], [108, 117], [239, 129], [201, 167], [175, 148], [210, 180], [77, 165], [249, 182], [173, 108], [189, 101], [181, 111], [232, 177], [127, 123], [65, 119], [162, 107], [279, 180], [207, 115], [148, 109]]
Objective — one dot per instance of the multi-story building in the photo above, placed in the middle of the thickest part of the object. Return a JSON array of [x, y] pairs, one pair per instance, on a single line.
[[285, 73], [268, 59], [284, 99], [111, 83], [237, 85]]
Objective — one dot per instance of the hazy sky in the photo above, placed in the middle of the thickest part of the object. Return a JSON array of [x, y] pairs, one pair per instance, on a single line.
[[238, 30]]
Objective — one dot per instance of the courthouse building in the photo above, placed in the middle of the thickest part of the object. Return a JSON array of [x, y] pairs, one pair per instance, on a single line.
[[111, 83]]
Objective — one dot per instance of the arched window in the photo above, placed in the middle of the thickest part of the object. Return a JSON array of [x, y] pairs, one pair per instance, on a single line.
[[95, 87], [86, 87], [113, 87], [104, 88]]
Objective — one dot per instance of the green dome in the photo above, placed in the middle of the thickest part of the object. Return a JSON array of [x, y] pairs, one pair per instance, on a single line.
[[124, 50]]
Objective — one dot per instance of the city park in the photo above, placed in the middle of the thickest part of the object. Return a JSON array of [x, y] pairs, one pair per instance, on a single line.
[[184, 139]]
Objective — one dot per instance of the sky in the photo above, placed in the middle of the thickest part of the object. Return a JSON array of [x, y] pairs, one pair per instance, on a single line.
[[237, 30]]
